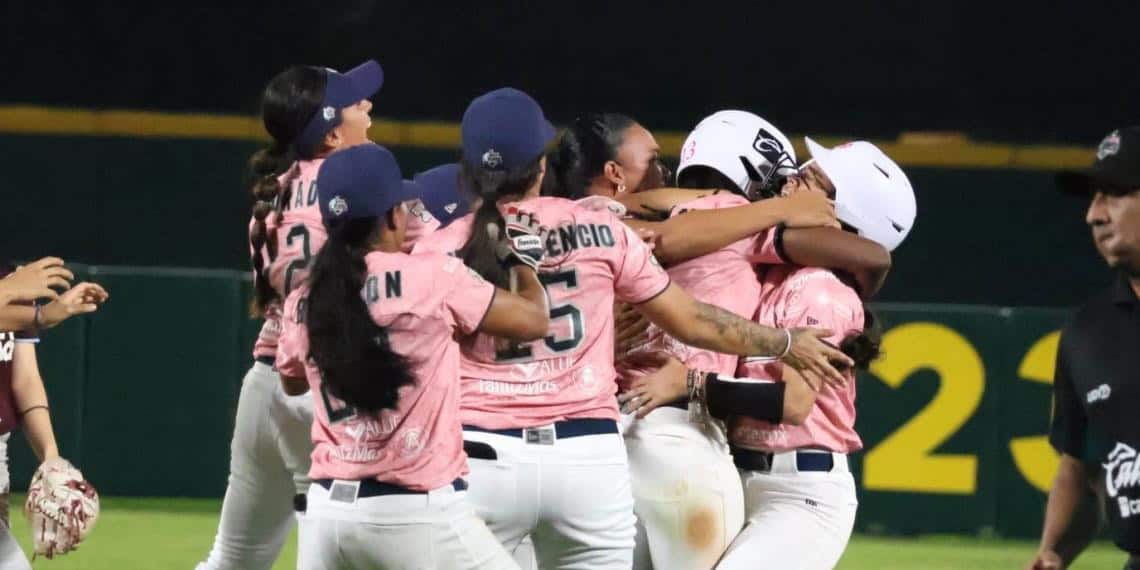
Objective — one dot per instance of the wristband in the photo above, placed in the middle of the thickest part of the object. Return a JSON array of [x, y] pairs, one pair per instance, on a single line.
[[788, 347]]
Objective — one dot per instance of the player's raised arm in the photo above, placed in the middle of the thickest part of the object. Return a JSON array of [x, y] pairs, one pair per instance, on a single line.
[[36, 280], [712, 328], [701, 232], [523, 314], [866, 261]]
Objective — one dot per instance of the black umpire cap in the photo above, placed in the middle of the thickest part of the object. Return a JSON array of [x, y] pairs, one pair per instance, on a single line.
[[1116, 170]]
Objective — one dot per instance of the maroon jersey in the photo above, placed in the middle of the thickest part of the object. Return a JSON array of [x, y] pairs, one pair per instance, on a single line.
[[8, 339]]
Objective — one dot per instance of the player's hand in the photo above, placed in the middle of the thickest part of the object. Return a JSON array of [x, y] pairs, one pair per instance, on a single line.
[[807, 209], [813, 358], [1046, 559], [520, 244], [37, 280], [667, 383], [631, 329], [79, 300], [648, 237]]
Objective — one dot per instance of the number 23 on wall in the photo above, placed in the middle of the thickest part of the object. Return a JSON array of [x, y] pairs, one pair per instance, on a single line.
[[905, 460]]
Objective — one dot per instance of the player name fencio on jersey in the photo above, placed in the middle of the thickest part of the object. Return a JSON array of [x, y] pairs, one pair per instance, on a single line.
[[1097, 396]]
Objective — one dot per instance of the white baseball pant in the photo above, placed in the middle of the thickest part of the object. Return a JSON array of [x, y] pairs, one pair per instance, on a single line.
[[571, 495], [269, 465], [11, 556], [425, 531], [796, 520], [686, 491]]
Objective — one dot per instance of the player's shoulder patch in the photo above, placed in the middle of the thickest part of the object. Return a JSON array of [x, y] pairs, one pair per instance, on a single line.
[[602, 204], [450, 264]]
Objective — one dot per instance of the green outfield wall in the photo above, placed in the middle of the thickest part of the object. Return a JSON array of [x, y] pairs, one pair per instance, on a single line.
[[953, 416]]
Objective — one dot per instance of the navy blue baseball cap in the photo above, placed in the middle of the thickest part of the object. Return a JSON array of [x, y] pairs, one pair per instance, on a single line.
[[443, 194], [341, 90], [504, 129], [363, 181]]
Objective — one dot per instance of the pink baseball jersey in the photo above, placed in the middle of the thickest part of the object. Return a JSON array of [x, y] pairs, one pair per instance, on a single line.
[[420, 224], [423, 301], [592, 258], [300, 235], [795, 296], [724, 278]]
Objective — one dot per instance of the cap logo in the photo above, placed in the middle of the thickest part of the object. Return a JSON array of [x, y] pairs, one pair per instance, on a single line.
[[1109, 146], [492, 159], [450, 208], [338, 206], [328, 113]]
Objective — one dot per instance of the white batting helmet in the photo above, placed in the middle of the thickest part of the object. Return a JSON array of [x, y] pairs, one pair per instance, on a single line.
[[748, 150], [872, 194]]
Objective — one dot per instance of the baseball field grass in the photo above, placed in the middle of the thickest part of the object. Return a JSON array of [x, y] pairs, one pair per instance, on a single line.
[[177, 533]]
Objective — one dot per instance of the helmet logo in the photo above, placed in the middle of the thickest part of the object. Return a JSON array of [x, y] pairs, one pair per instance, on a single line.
[[768, 146], [689, 150]]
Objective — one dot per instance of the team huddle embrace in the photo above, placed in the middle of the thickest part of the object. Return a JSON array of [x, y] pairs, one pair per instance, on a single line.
[[553, 353]]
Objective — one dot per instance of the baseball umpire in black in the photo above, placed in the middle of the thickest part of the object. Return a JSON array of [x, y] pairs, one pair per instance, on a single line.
[[1096, 405]]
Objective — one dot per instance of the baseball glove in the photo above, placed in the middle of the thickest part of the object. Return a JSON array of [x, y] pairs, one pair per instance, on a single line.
[[61, 508]]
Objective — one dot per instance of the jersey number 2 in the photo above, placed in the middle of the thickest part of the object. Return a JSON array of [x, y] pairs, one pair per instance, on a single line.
[[297, 231]]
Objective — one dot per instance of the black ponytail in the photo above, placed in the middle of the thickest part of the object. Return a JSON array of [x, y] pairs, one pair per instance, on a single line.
[[491, 186], [264, 167], [356, 362], [288, 102], [864, 347], [586, 146]]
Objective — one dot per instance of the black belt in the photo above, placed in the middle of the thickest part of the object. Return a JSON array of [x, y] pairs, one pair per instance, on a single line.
[[562, 430], [374, 488], [761, 461], [269, 360]]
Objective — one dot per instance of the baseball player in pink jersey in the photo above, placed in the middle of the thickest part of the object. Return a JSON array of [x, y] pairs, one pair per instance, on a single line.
[[372, 333], [799, 495], [309, 112], [689, 500], [540, 419]]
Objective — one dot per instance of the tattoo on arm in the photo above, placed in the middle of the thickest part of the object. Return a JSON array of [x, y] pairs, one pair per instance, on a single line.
[[752, 338]]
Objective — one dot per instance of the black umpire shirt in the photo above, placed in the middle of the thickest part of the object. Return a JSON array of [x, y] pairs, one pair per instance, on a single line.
[[1096, 416]]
